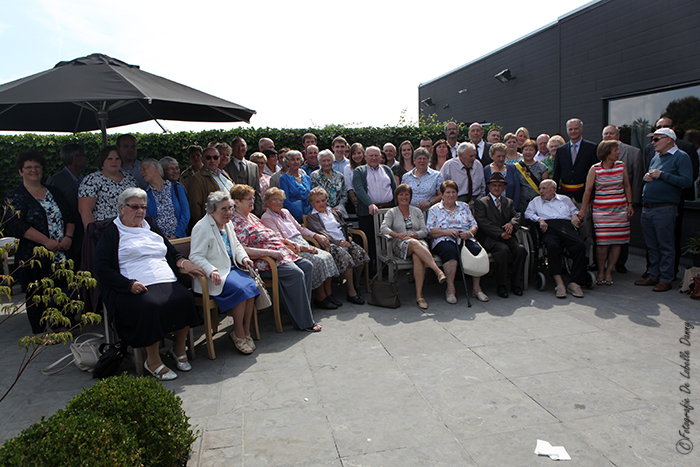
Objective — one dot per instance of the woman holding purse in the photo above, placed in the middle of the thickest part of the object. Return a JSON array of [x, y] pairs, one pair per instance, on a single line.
[[215, 248]]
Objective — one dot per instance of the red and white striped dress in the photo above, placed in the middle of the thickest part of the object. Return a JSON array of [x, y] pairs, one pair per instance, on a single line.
[[610, 205]]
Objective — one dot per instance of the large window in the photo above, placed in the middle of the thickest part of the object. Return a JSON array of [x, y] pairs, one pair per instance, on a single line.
[[636, 115]]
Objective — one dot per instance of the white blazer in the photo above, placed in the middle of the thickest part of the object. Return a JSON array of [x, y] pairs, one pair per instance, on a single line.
[[207, 250]]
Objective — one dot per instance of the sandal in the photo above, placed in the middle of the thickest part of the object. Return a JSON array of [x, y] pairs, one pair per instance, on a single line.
[[167, 376], [240, 344], [422, 304], [314, 328], [249, 341], [451, 298], [181, 361], [606, 282]]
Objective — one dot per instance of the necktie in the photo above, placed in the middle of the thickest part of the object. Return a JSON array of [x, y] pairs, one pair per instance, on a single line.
[[469, 185], [574, 153], [242, 178], [498, 203]]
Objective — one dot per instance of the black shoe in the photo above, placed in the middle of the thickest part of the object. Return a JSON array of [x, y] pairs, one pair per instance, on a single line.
[[325, 304], [502, 291], [621, 269], [357, 300], [335, 301], [517, 290], [593, 267]]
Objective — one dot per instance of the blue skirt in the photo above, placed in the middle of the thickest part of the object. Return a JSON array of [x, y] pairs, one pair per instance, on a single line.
[[238, 288]]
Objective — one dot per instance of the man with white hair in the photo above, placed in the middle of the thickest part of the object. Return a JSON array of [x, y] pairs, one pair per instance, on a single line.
[[265, 143], [467, 173], [311, 163], [557, 216], [389, 151], [542, 150], [573, 161]]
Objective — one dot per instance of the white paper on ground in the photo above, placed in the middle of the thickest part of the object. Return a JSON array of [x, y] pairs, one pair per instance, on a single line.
[[557, 453]]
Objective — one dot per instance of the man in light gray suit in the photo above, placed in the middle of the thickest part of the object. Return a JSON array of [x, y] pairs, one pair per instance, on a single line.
[[244, 171], [68, 180], [632, 158]]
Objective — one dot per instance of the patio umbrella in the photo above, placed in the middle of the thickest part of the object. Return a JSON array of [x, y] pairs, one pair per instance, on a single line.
[[99, 92]]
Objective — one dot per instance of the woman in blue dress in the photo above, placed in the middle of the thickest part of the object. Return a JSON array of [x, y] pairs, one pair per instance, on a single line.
[[215, 249], [296, 184]]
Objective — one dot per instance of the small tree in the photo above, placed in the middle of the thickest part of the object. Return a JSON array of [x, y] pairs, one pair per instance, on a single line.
[[59, 304]]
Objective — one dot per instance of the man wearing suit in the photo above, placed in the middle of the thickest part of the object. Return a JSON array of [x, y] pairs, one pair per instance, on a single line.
[[632, 158], [210, 178], [688, 194], [573, 161], [374, 186], [498, 222], [67, 181], [476, 136], [246, 172]]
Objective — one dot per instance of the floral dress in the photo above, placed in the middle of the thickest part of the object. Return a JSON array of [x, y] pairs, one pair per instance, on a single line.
[[460, 218], [251, 232], [105, 191], [335, 187], [56, 224], [165, 209]]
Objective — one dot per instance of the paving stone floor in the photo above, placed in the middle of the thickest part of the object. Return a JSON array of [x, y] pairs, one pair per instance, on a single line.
[[455, 386]]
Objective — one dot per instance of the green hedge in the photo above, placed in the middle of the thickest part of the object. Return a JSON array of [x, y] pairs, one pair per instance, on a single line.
[[158, 145], [123, 420]]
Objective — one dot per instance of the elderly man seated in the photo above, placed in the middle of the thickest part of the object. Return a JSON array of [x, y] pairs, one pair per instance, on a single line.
[[557, 216], [498, 222]]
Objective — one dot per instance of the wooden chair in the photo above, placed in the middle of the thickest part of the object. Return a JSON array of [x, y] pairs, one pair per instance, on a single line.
[[363, 238]]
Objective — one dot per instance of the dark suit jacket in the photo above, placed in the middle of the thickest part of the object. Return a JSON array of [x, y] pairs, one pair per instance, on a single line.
[[491, 220], [359, 181], [198, 188], [65, 183], [567, 174], [632, 158], [253, 180], [686, 147], [486, 159]]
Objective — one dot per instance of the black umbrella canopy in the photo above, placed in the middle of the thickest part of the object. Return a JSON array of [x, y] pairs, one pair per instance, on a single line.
[[99, 92]]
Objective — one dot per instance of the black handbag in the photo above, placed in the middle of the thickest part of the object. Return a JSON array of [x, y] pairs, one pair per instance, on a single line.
[[384, 293], [111, 359]]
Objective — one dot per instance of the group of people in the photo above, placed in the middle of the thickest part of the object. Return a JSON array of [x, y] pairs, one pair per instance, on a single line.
[[291, 207]]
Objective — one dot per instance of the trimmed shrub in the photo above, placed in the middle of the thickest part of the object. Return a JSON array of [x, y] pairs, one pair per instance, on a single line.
[[123, 420]]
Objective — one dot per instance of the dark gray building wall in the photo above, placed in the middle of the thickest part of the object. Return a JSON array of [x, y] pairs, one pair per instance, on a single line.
[[568, 69]]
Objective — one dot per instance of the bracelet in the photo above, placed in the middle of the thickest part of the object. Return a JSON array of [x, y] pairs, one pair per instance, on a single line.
[[69, 236], [182, 265]]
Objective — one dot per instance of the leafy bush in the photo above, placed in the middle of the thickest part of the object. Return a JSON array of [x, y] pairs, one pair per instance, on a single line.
[[123, 420], [159, 145]]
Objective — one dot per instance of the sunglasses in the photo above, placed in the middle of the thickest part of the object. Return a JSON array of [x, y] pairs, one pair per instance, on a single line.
[[658, 138], [210, 157], [136, 207]]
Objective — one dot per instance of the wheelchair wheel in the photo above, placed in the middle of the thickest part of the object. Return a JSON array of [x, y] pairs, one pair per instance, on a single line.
[[590, 279], [540, 281]]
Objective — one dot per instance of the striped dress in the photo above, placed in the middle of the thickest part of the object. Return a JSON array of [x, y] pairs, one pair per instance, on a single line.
[[610, 205]]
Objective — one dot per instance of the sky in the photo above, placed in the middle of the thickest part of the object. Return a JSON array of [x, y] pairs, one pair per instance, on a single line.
[[298, 64]]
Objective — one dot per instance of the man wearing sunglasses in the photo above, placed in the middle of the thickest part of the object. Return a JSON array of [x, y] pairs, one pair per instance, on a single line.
[[688, 194], [207, 180], [669, 172]]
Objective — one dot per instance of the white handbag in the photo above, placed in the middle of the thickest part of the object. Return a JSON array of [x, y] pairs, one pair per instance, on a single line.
[[475, 266], [263, 300], [85, 354]]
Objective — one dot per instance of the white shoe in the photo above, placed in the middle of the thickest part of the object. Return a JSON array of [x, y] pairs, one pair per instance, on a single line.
[[167, 376], [181, 362]]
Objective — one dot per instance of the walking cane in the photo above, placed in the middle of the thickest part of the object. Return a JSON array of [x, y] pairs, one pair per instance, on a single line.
[[464, 278]]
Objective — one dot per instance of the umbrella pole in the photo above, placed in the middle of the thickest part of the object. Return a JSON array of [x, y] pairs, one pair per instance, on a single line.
[[102, 119]]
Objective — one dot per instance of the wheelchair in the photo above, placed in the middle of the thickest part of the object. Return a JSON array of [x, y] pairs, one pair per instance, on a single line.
[[540, 265]]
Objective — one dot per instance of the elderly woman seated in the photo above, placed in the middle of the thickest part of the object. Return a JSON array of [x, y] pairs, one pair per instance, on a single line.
[[294, 273], [167, 201], [217, 251], [406, 224], [346, 253], [281, 221], [135, 267]]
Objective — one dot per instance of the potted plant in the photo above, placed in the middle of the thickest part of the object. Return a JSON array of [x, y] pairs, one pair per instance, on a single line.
[[692, 248]]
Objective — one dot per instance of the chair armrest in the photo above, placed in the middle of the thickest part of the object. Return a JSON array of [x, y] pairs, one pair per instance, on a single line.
[[312, 241], [362, 235], [271, 262]]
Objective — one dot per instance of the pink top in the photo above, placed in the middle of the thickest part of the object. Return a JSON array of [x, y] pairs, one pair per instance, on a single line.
[[284, 224]]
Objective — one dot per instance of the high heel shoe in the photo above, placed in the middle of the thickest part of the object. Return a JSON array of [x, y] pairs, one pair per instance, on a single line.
[[167, 376], [181, 361]]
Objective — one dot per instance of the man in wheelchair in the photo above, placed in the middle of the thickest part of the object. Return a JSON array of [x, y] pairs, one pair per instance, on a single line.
[[557, 216]]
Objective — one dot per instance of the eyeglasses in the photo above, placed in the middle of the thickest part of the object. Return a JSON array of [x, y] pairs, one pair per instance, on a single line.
[[658, 138], [33, 167], [658, 127], [210, 157], [136, 207]]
